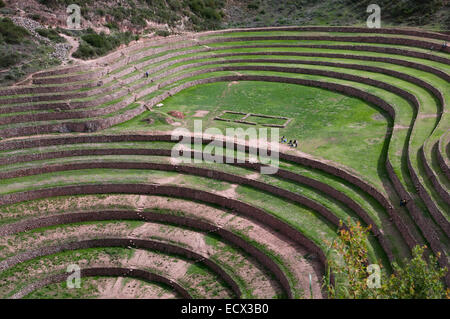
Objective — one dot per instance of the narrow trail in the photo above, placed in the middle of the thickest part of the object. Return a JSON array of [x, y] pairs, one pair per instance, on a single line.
[[75, 44]]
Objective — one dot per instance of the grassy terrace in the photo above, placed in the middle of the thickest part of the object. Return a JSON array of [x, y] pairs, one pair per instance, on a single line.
[[341, 130]]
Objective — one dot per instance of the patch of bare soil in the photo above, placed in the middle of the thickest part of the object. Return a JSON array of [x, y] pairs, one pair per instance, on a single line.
[[149, 121], [177, 114], [166, 180], [175, 268], [253, 176], [373, 140], [400, 127], [200, 113], [172, 122], [426, 116], [378, 117], [128, 288], [23, 242], [229, 193]]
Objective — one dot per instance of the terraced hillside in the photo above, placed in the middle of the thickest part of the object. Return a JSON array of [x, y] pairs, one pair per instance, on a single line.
[[87, 175]]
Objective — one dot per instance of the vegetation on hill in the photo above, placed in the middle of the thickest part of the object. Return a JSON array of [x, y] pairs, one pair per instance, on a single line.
[[93, 45], [11, 33], [201, 14], [50, 34], [122, 20], [432, 13], [19, 54]]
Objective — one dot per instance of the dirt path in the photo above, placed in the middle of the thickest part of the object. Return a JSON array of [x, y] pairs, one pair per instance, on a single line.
[[75, 44]]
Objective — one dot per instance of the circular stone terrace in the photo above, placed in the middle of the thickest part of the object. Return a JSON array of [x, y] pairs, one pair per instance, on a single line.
[[88, 176]]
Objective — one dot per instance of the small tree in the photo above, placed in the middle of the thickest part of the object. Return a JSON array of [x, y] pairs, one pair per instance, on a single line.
[[351, 272], [418, 279]]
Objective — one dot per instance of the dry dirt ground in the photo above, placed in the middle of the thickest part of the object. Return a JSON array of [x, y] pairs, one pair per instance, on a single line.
[[128, 288], [200, 113]]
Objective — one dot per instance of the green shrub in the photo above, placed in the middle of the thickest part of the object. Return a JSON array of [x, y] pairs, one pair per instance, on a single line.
[[51, 34], [138, 20], [162, 33], [2, 4], [97, 40], [112, 25], [8, 59], [253, 6], [94, 45], [100, 12], [418, 278], [84, 51], [12, 33], [49, 3], [34, 16]]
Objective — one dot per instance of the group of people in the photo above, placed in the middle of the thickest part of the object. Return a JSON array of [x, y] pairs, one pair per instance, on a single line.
[[290, 143]]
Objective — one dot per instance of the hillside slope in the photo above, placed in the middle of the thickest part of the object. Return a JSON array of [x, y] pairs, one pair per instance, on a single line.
[[108, 25]]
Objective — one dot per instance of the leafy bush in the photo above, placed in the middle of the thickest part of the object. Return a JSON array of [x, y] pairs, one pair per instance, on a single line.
[[97, 40], [100, 12], [49, 3], [2, 4], [419, 278], [34, 16], [94, 45], [253, 6], [162, 33], [51, 34], [209, 10], [8, 59], [112, 25], [12, 33], [84, 51], [138, 20]]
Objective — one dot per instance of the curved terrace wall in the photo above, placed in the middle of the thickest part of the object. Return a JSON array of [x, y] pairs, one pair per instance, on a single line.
[[197, 224], [124, 242], [173, 191], [110, 272]]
